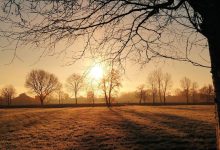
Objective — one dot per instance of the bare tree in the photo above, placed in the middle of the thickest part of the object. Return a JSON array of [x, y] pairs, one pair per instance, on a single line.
[[141, 93], [153, 85], [138, 28], [60, 93], [7, 93], [75, 83], [162, 81], [91, 96], [194, 88], [186, 84], [110, 84], [92, 86], [166, 85], [42, 83], [159, 78], [207, 93]]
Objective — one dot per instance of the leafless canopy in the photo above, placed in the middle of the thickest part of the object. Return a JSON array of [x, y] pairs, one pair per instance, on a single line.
[[42, 83], [186, 84], [110, 84], [160, 83], [114, 29], [141, 93], [75, 82], [8, 92]]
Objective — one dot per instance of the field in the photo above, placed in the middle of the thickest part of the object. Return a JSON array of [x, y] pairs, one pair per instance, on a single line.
[[125, 127]]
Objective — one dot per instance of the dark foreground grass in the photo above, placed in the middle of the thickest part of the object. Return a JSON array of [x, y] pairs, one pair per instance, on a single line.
[[126, 127]]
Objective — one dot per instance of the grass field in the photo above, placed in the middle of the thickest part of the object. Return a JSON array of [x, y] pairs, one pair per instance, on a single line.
[[126, 127]]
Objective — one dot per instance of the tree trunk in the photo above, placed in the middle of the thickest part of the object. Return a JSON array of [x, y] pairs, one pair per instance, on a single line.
[[153, 98], [109, 100], [41, 101], [140, 99], [159, 90], [93, 100], [187, 97], [59, 98], [8, 101], [214, 49], [164, 98], [106, 99], [76, 98]]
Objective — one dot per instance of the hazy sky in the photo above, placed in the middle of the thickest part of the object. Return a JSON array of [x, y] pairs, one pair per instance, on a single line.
[[15, 73]]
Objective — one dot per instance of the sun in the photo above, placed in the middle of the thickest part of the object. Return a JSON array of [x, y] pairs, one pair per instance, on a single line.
[[96, 72]]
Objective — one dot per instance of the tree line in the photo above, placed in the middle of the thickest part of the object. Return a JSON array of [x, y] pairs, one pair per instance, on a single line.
[[156, 89], [43, 84], [159, 84]]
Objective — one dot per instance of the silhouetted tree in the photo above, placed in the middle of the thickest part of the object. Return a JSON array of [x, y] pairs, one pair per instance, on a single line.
[[153, 85], [65, 97], [60, 93], [91, 96], [158, 74], [141, 93], [110, 84], [207, 93], [75, 83], [7, 93], [194, 88], [186, 85], [139, 28], [178, 92], [162, 81], [166, 85], [42, 83], [92, 86]]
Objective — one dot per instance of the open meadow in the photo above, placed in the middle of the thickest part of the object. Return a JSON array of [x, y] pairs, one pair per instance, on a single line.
[[126, 127]]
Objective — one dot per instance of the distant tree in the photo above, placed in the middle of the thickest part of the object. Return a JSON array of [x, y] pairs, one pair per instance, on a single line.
[[141, 93], [128, 97], [144, 96], [42, 83], [158, 74], [60, 93], [1, 99], [161, 81], [186, 85], [110, 84], [65, 98], [166, 85], [75, 83], [207, 93], [91, 96], [178, 92], [7, 93], [153, 85], [92, 86], [193, 89]]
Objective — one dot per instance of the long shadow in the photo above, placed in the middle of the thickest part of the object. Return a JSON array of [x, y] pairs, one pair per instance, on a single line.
[[198, 134], [170, 120], [135, 137], [185, 108]]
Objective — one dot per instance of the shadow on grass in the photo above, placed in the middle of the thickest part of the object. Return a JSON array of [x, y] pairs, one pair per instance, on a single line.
[[197, 134], [191, 108]]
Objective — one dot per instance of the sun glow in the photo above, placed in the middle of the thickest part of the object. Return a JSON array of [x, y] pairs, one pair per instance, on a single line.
[[96, 72]]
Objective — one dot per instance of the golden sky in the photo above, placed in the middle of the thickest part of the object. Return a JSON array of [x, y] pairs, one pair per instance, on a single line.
[[15, 73]]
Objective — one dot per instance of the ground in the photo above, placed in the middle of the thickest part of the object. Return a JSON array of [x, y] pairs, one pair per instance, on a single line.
[[125, 127]]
